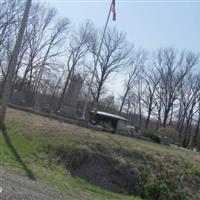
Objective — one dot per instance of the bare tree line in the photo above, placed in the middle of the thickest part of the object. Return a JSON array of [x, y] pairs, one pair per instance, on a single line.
[[161, 88]]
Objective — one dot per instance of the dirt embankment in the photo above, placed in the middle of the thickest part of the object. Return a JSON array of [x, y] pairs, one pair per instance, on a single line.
[[129, 172]]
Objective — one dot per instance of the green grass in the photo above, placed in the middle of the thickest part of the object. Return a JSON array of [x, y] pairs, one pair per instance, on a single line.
[[29, 145], [29, 135]]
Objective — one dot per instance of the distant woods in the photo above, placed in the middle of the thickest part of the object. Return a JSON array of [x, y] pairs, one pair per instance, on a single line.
[[160, 88]]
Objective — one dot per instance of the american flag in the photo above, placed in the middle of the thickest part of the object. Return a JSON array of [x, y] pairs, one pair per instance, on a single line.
[[113, 10]]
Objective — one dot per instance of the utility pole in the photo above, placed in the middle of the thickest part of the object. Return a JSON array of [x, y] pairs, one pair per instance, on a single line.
[[13, 62]]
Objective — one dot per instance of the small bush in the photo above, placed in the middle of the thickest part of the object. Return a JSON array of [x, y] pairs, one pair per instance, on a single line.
[[179, 195], [154, 190], [169, 132], [151, 134], [107, 126]]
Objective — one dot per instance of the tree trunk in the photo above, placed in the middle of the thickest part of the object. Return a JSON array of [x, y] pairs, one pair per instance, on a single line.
[[148, 119], [123, 100], [149, 113], [165, 118], [171, 116], [70, 74], [99, 91], [139, 102], [159, 118], [195, 138], [186, 140]]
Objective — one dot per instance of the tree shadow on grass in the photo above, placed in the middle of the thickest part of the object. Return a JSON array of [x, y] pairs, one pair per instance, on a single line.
[[17, 156]]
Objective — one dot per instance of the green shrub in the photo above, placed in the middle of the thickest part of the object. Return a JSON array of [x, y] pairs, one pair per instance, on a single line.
[[169, 132], [151, 134], [179, 195], [155, 190], [106, 125]]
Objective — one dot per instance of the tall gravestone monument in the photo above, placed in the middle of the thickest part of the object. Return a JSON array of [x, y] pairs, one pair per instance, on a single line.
[[70, 100]]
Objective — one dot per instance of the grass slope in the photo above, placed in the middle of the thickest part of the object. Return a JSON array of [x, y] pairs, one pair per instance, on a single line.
[[85, 164]]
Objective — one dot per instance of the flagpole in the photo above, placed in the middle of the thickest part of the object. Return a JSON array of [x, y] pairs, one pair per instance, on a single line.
[[95, 65]]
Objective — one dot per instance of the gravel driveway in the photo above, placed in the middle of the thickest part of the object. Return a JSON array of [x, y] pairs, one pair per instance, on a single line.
[[18, 187]]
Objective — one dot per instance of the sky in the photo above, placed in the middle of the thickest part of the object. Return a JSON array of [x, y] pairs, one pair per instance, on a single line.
[[147, 24]]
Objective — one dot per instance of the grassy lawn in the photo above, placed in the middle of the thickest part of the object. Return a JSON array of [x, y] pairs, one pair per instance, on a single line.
[[52, 151]]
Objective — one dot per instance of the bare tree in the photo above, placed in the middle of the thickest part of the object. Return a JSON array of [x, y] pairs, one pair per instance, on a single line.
[[152, 81], [36, 32], [77, 50], [172, 70], [46, 36], [137, 63], [189, 96], [13, 62], [9, 23], [114, 57], [55, 38], [196, 137]]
